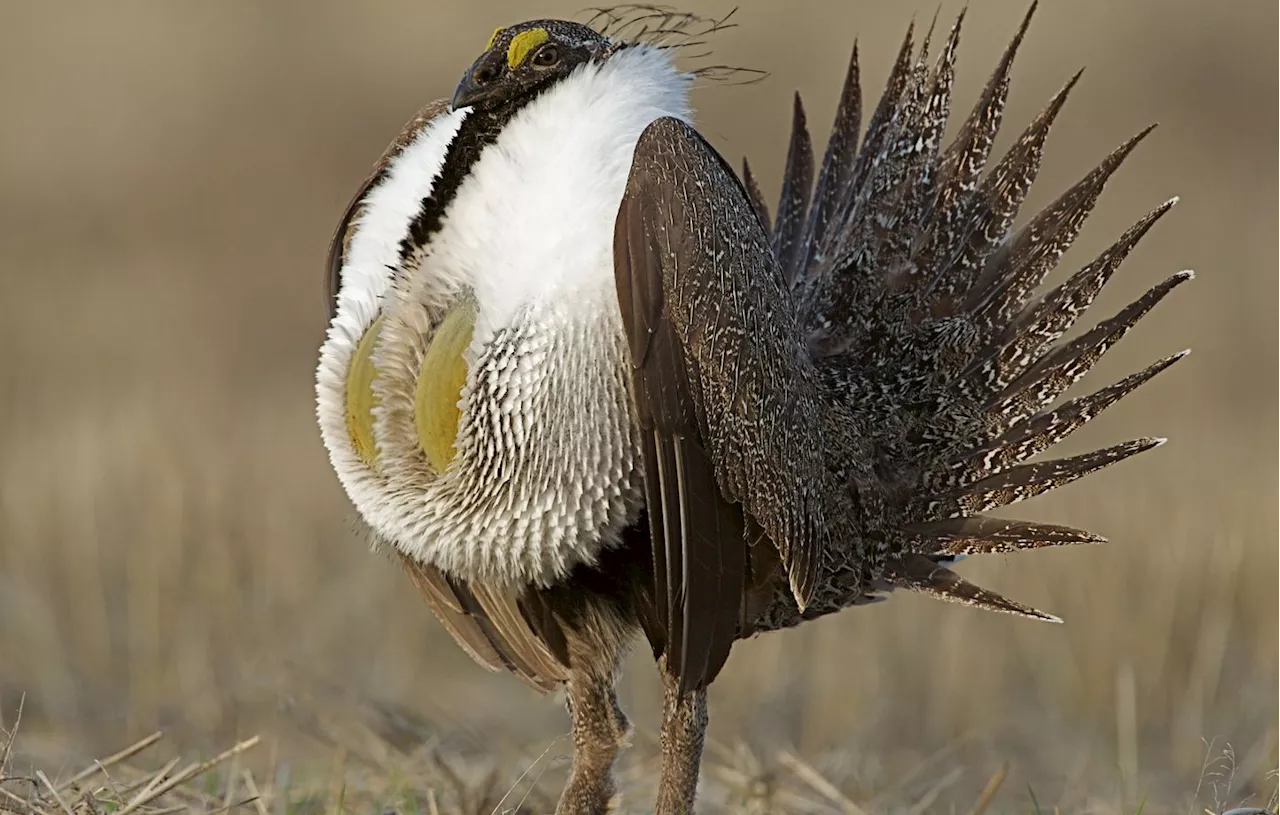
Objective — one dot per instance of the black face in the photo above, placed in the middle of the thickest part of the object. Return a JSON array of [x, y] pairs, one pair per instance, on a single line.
[[525, 58]]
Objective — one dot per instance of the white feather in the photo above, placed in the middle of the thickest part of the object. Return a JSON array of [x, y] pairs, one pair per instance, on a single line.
[[387, 211], [534, 221]]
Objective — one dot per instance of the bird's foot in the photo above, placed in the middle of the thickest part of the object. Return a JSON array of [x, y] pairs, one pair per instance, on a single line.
[[600, 731], [684, 727]]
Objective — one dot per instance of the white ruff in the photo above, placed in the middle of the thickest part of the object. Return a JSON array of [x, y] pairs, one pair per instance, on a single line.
[[547, 471], [387, 211]]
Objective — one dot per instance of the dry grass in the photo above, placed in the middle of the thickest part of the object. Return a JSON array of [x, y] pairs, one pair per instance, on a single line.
[[368, 774], [175, 553], [114, 785]]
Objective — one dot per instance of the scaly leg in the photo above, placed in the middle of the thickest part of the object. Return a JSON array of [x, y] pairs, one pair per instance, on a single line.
[[600, 731], [684, 727]]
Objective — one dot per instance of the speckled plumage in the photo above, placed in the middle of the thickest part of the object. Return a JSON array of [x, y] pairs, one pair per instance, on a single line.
[[686, 418], [918, 308]]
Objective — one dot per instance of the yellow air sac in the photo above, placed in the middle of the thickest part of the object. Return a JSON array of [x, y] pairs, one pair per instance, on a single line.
[[440, 381], [360, 398]]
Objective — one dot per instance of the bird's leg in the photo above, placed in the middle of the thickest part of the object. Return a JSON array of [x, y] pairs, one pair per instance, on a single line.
[[600, 731], [684, 727]]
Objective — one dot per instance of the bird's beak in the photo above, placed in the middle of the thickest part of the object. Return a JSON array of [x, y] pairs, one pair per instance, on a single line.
[[477, 84], [467, 93]]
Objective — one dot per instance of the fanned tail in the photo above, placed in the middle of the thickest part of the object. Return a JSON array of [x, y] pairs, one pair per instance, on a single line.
[[918, 573], [979, 535], [919, 305]]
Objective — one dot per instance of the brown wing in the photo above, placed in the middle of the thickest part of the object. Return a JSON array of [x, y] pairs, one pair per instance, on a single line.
[[725, 395], [341, 236], [489, 625], [486, 623]]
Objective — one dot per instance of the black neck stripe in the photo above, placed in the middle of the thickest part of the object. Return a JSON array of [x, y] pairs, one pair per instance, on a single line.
[[479, 130]]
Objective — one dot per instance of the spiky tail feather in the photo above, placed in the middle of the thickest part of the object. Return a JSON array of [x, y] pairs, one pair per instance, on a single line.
[[919, 307]]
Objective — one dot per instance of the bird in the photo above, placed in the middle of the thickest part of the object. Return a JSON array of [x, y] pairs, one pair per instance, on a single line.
[[587, 389]]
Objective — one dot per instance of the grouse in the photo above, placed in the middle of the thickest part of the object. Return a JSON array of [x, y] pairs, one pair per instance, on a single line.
[[585, 387]]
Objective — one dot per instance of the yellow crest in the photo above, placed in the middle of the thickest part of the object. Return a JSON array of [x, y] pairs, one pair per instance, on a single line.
[[523, 43]]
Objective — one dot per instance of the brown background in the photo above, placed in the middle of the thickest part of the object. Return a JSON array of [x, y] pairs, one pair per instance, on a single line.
[[175, 551]]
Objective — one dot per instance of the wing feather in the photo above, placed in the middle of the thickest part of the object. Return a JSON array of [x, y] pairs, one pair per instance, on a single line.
[[725, 397], [482, 624]]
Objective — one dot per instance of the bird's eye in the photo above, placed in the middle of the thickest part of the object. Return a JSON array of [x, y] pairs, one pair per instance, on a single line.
[[547, 56]]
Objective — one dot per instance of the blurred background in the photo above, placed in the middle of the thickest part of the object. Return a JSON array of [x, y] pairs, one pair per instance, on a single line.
[[175, 551]]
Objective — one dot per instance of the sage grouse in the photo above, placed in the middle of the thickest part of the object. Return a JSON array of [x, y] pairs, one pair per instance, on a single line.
[[586, 387]]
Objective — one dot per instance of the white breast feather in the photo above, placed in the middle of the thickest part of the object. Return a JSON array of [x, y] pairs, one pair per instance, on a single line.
[[534, 222], [547, 470]]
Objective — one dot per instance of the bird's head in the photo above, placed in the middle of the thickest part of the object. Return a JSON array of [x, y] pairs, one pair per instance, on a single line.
[[522, 59]]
